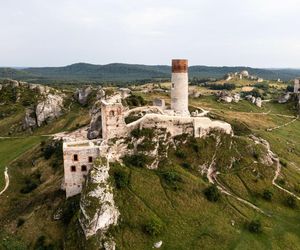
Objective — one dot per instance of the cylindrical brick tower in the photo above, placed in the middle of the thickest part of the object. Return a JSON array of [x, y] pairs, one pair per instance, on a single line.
[[180, 87]]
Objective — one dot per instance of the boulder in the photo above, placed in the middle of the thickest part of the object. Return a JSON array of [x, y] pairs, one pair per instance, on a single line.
[[284, 98], [236, 97], [258, 102], [81, 95]]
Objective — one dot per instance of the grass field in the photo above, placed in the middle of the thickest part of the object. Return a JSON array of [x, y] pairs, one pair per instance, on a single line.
[[11, 149]]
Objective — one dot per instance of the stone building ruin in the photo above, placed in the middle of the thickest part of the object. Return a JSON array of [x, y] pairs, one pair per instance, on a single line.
[[78, 160], [79, 155]]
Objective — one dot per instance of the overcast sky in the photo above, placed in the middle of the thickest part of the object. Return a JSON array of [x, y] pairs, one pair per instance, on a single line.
[[257, 33]]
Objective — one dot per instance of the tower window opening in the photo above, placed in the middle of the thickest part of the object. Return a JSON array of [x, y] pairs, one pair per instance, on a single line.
[[75, 157], [73, 169], [90, 159], [83, 168], [111, 113]]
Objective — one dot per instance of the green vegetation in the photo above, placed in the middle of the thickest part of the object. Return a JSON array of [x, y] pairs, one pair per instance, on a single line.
[[154, 227], [212, 193], [12, 148], [255, 226]]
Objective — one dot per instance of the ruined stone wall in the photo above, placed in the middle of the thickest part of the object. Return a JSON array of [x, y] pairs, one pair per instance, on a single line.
[[177, 125], [73, 180]]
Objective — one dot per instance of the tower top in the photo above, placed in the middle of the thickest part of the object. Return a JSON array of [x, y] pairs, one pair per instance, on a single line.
[[179, 66]]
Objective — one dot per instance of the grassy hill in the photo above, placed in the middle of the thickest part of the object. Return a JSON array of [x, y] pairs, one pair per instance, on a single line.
[[122, 73], [169, 203]]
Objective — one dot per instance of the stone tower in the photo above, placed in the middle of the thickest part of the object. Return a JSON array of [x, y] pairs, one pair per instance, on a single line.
[[113, 122], [179, 89], [297, 85]]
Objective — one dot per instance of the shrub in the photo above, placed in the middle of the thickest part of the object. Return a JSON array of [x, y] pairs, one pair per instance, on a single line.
[[131, 118], [30, 185], [291, 202], [136, 160], [283, 162], [121, 179], [212, 193], [153, 227], [135, 101], [186, 165], [171, 178], [70, 208], [180, 154], [20, 222], [255, 226], [146, 145], [267, 195], [40, 244], [144, 132], [130, 146]]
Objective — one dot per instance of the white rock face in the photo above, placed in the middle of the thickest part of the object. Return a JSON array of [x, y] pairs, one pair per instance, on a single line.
[[236, 98], [98, 210], [258, 102], [82, 94], [49, 109], [284, 98]]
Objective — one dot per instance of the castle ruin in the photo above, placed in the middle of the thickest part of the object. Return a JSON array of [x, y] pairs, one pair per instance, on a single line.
[[79, 156]]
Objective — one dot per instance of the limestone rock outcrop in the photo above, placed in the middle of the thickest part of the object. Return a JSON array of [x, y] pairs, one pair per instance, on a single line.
[[97, 208], [95, 128], [43, 104], [49, 109], [82, 95]]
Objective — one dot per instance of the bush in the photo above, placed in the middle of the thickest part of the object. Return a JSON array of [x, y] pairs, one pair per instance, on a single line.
[[255, 226], [144, 132], [121, 179], [137, 160], [30, 185], [180, 154], [212, 193], [291, 202], [283, 162], [135, 101], [186, 165], [153, 227], [131, 118], [70, 208], [267, 195], [40, 244], [171, 178], [20, 222], [146, 145]]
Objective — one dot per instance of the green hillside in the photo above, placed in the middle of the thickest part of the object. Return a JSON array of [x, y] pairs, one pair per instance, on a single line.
[[122, 73]]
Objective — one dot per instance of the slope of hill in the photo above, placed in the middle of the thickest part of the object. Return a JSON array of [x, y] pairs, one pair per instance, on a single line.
[[118, 72]]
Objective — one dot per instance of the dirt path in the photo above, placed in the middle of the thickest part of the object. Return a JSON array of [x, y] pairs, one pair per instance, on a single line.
[[6, 181], [276, 160], [283, 125], [212, 178]]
